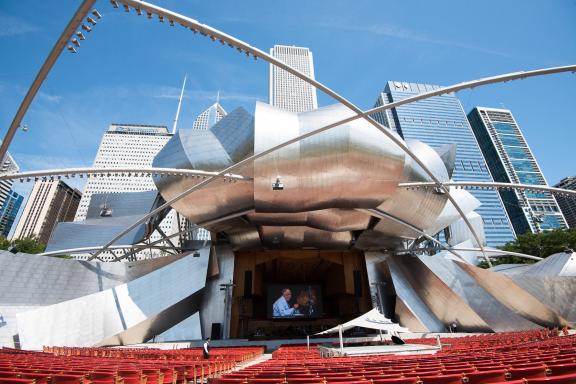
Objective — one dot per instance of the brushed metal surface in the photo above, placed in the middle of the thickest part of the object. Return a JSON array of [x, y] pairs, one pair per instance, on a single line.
[[495, 314], [336, 220], [506, 291], [303, 237], [229, 141], [350, 166], [446, 306], [420, 207]]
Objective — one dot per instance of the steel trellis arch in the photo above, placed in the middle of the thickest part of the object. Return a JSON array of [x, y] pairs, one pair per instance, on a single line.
[[224, 38], [121, 172], [216, 34]]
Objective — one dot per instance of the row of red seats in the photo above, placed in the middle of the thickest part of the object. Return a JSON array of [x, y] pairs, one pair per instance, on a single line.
[[99, 367], [512, 357]]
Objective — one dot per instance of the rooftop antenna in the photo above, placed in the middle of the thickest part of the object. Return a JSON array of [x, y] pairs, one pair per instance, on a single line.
[[218, 97], [179, 105]]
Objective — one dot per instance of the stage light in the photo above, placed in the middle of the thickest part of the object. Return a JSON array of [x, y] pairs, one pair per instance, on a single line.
[[71, 49], [277, 185], [80, 35], [171, 22], [76, 42], [149, 14], [91, 20], [114, 3], [126, 8], [96, 13], [138, 11], [86, 28], [161, 18]]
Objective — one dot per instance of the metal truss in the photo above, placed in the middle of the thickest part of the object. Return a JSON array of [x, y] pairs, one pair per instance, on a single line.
[[89, 172], [241, 46]]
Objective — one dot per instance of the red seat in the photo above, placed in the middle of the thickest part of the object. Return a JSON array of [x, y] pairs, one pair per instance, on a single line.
[[224, 380], [442, 379], [400, 380], [8, 374], [561, 369], [527, 373], [266, 380], [484, 377], [7, 380], [560, 379], [304, 380], [40, 378], [67, 379]]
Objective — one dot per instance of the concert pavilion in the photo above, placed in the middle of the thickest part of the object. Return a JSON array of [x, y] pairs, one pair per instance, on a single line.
[[326, 212]]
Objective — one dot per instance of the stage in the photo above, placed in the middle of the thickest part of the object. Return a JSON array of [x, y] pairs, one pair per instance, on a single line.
[[405, 349]]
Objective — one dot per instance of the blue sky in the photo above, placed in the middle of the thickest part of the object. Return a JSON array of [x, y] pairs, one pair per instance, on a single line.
[[129, 69]]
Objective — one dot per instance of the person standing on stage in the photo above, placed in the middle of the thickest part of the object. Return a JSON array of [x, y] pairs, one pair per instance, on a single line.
[[205, 348]]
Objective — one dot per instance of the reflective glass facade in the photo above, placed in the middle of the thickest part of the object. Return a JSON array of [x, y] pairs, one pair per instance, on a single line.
[[511, 161], [568, 204], [438, 121], [9, 211]]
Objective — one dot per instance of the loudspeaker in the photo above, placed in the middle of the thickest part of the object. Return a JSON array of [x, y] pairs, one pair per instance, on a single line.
[[247, 283], [357, 284], [216, 333]]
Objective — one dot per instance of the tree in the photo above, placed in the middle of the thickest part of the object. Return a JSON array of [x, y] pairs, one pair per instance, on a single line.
[[26, 245], [4, 243], [537, 244], [29, 245]]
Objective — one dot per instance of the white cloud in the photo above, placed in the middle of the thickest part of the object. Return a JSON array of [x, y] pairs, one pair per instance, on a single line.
[[10, 26], [394, 31], [174, 93]]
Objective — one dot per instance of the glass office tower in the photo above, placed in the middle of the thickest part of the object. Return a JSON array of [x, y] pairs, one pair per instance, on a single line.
[[510, 160], [438, 121]]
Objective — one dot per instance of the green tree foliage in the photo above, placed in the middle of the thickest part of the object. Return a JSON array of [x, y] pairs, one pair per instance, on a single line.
[[26, 245], [537, 244]]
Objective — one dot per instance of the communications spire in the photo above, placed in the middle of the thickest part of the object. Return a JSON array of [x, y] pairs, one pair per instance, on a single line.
[[179, 105]]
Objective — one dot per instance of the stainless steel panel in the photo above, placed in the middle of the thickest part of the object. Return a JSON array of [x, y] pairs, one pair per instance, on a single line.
[[440, 300], [230, 140], [350, 166], [505, 290], [421, 207], [496, 315], [303, 237], [336, 220]]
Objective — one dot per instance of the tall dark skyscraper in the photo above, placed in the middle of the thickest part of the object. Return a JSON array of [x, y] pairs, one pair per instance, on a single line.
[[9, 211], [568, 204], [438, 121], [510, 160]]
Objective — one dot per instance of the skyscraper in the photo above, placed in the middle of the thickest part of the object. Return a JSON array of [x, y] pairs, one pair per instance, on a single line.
[[206, 120], [568, 204], [510, 160], [9, 211], [127, 146], [8, 166], [50, 202], [286, 90], [438, 121], [209, 117]]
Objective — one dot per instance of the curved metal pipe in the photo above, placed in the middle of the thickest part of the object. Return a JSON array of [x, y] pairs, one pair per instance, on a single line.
[[225, 38], [115, 171], [258, 53], [73, 24], [491, 184], [380, 214], [497, 252]]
